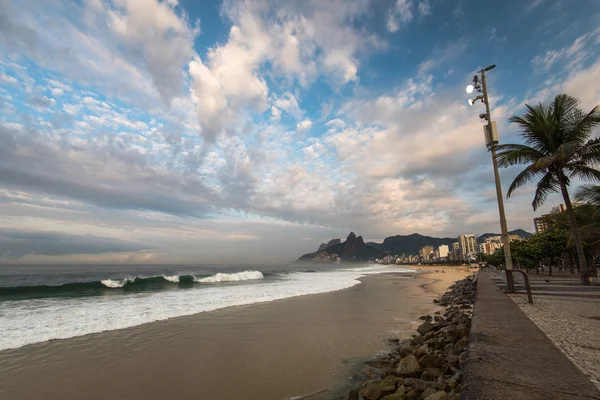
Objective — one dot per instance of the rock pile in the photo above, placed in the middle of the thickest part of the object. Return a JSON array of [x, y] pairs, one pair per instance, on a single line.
[[429, 365]]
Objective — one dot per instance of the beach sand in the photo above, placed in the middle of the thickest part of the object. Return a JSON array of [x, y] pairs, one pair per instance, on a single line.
[[277, 350]]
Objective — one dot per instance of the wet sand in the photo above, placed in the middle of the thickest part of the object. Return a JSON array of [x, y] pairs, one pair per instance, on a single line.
[[277, 350]]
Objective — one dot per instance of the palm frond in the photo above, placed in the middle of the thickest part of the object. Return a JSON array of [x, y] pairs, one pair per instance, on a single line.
[[548, 184], [516, 154], [579, 125], [588, 194], [583, 172], [524, 177]]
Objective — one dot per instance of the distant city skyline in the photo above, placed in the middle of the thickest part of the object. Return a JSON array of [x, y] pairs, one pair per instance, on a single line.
[[250, 131]]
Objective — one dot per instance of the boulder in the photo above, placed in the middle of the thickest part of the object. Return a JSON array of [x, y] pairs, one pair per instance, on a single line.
[[427, 393], [409, 366], [417, 341], [423, 385], [400, 394], [441, 395], [425, 327], [376, 390], [353, 395], [429, 360]]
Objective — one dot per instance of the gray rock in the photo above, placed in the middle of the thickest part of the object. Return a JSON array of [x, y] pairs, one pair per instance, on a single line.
[[429, 360], [423, 385], [441, 395], [353, 395], [428, 392], [376, 390], [425, 327], [409, 366]]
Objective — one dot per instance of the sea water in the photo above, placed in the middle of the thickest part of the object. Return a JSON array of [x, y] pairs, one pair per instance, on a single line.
[[41, 303]]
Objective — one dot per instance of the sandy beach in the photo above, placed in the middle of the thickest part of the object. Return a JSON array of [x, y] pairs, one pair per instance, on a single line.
[[277, 350]]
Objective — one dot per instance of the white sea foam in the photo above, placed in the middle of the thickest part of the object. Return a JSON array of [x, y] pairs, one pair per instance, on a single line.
[[38, 320], [174, 278], [239, 276], [116, 283]]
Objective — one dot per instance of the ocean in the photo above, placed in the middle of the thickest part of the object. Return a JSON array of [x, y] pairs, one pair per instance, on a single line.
[[45, 302]]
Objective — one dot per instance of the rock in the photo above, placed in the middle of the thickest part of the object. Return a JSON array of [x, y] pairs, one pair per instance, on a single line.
[[379, 364], [376, 390], [441, 395], [435, 372], [423, 385], [429, 360], [427, 376], [413, 394], [407, 350], [353, 395], [417, 341], [462, 358], [409, 366], [425, 327], [427, 393], [398, 395]]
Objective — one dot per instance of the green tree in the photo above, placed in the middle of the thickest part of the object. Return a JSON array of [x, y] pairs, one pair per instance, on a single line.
[[557, 147]]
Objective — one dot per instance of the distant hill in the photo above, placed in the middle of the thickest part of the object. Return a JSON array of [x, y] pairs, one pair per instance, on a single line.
[[353, 249], [409, 244], [518, 232]]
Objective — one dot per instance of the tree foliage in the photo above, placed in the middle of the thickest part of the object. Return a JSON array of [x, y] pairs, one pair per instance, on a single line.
[[557, 148]]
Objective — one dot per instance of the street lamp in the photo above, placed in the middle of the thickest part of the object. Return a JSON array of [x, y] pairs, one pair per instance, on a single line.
[[491, 141]]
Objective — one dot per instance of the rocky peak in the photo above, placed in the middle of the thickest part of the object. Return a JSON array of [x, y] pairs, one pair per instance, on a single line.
[[333, 242], [351, 237], [323, 246]]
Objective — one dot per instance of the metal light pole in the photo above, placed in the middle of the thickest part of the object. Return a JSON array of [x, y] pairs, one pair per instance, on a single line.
[[491, 136]]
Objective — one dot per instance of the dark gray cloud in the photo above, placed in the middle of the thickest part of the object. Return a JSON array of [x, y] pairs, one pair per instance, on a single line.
[[114, 178], [15, 244]]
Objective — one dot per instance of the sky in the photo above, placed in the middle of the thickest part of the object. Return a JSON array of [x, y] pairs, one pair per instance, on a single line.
[[192, 131]]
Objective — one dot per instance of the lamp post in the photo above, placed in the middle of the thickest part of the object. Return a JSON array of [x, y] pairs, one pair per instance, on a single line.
[[491, 141]]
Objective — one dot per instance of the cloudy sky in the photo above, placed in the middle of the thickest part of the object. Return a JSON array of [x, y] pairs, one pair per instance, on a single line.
[[144, 131]]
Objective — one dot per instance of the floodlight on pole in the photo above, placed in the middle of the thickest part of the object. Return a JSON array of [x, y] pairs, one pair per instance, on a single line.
[[491, 136]]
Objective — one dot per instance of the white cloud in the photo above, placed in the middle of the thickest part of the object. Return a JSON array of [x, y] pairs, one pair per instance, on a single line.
[[399, 15], [304, 126], [11, 80], [289, 103], [573, 54], [57, 92], [424, 8], [275, 113]]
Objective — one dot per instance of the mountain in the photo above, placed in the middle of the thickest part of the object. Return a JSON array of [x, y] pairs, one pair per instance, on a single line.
[[353, 249], [409, 244], [332, 242], [518, 232]]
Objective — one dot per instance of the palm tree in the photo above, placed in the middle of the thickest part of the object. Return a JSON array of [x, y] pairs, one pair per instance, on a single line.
[[557, 148]]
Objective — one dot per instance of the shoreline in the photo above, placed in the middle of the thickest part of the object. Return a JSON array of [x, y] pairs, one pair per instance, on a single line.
[[284, 348]]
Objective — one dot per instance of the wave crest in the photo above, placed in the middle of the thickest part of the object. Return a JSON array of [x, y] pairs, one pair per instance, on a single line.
[[116, 283], [239, 276], [173, 278]]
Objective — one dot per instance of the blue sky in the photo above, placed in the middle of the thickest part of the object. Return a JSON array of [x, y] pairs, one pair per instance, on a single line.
[[250, 131]]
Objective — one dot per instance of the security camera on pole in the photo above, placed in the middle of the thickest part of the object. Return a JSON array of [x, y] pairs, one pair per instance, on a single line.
[[491, 140]]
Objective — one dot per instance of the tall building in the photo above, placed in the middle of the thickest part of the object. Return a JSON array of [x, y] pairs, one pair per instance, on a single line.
[[468, 245], [456, 251], [443, 250], [542, 224], [425, 251]]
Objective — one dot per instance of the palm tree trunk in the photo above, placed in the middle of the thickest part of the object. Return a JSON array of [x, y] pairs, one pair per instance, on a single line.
[[584, 272]]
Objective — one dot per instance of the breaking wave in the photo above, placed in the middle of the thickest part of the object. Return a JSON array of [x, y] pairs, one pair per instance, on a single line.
[[235, 277]]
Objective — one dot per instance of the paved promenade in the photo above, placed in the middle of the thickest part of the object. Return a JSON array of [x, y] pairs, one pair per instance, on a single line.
[[569, 314], [511, 358]]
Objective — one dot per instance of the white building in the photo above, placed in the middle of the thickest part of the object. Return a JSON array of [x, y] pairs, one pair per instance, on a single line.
[[443, 250], [468, 246]]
